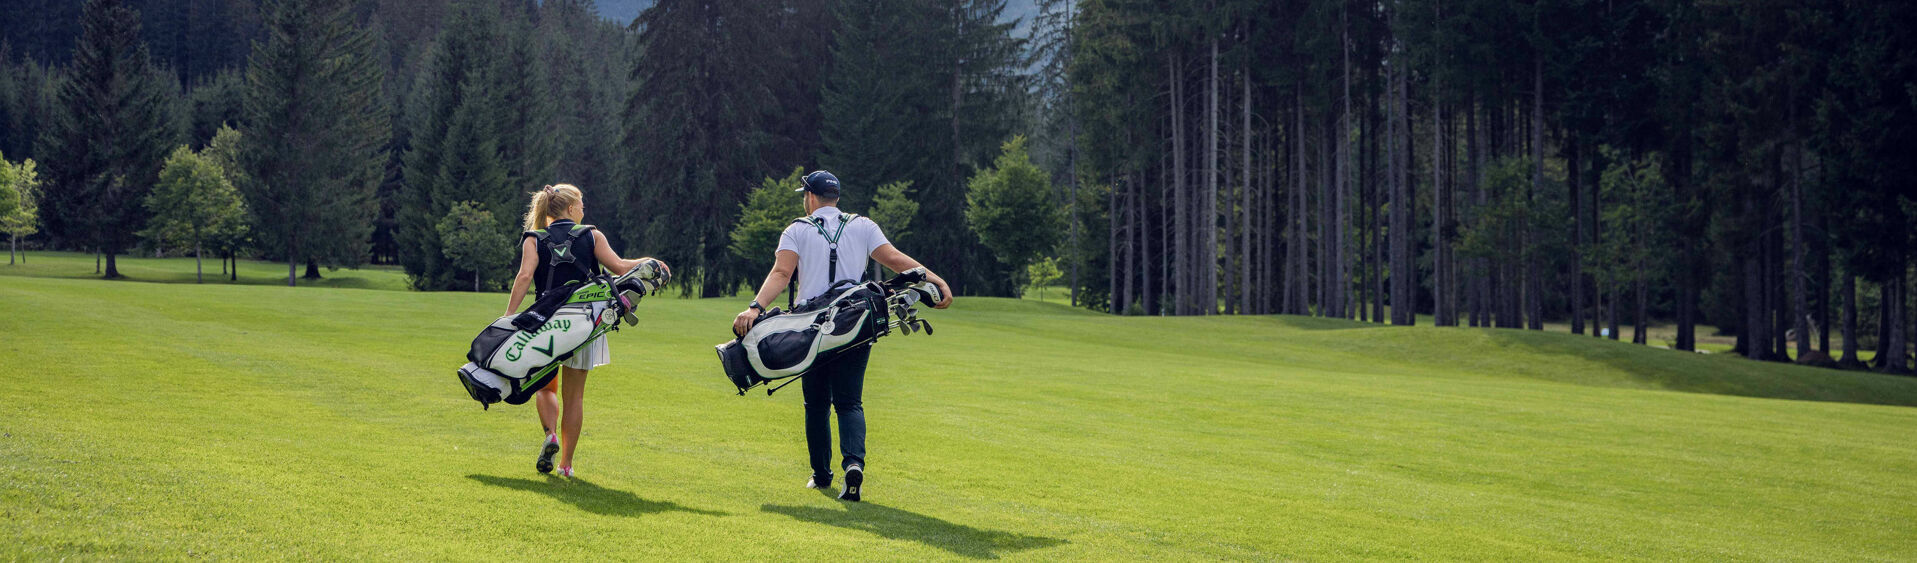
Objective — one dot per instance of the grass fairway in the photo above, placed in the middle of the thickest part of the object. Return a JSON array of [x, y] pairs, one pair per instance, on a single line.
[[180, 421], [73, 265]]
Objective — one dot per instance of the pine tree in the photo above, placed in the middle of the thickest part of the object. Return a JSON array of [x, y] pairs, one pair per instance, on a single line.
[[112, 126], [466, 142], [875, 127], [314, 129], [697, 128]]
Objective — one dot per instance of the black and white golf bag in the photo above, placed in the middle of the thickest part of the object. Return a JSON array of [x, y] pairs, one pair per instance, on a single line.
[[519, 353], [791, 344]]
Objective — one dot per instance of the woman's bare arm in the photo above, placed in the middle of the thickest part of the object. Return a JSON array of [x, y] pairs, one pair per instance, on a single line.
[[528, 263], [602, 251]]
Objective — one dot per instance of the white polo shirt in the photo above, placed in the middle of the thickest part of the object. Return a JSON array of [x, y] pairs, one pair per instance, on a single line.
[[861, 237]]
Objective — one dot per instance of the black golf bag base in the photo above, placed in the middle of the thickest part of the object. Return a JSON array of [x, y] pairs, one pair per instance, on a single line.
[[478, 391], [486, 392], [732, 356]]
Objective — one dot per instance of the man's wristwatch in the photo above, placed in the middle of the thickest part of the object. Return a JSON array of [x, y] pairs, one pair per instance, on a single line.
[[755, 305]]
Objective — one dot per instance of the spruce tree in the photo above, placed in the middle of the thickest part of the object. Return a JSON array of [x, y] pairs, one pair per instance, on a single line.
[[315, 126], [697, 128], [477, 131], [109, 134], [876, 127]]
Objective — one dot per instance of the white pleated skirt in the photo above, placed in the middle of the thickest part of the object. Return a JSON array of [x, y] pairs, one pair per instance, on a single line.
[[593, 354]]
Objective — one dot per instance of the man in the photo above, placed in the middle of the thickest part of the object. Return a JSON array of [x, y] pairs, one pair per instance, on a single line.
[[809, 248]]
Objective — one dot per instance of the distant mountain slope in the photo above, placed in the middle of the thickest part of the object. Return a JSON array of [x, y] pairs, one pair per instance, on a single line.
[[623, 11]]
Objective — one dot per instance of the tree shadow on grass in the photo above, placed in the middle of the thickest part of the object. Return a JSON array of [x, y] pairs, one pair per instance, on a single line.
[[1718, 374], [1300, 322], [893, 523], [589, 497]]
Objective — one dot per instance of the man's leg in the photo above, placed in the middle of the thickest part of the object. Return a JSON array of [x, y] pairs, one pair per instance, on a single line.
[[848, 388], [818, 423]]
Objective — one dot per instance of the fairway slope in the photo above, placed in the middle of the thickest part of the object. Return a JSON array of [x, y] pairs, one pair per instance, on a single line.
[[181, 421]]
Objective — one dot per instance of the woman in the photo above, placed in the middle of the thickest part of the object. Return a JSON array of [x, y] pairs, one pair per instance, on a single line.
[[558, 209]]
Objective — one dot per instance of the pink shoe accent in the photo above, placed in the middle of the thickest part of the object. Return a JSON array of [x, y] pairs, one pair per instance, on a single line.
[[565, 472]]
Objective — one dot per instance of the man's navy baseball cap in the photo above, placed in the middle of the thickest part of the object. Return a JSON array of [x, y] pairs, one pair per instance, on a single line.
[[822, 183]]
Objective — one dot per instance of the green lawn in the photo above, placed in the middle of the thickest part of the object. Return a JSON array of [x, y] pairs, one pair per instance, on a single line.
[[173, 421], [180, 270]]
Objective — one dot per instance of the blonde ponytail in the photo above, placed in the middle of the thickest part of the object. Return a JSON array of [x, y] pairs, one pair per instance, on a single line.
[[550, 202]]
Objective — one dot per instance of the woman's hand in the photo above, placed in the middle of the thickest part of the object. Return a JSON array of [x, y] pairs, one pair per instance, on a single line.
[[743, 322]]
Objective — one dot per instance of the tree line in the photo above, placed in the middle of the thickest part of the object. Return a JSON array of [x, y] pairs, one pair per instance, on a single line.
[[1509, 163], [1599, 165], [366, 124]]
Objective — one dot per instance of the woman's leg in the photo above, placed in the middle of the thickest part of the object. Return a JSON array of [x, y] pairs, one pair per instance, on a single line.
[[546, 401], [572, 388]]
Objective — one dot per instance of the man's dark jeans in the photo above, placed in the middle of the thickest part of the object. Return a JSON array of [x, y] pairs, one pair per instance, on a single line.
[[836, 386]]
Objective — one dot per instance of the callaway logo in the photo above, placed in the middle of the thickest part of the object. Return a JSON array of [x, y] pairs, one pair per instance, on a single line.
[[522, 339], [561, 251]]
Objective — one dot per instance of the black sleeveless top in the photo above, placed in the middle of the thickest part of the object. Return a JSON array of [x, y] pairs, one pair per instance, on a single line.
[[582, 249]]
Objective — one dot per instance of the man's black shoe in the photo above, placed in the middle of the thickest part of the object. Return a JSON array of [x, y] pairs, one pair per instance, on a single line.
[[854, 477]]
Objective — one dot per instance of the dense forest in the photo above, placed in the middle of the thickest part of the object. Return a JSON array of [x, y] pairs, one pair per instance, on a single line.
[[1601, 166]]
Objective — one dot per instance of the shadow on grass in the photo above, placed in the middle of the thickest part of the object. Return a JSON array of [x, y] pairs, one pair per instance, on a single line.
[[1720, 374], [589, 497], [1320, 323], [893, 523]]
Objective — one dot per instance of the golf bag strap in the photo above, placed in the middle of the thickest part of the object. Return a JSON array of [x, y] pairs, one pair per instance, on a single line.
[[549, 240], [832, 258]]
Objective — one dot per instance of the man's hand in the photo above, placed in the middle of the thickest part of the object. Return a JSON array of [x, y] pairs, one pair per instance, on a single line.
[[743, 322], [945, 294]]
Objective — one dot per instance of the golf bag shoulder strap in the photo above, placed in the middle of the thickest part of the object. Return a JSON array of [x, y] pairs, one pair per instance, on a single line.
[[558, 246], [832, 258]]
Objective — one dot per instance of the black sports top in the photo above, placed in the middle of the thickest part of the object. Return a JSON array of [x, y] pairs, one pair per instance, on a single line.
[[582, 249]]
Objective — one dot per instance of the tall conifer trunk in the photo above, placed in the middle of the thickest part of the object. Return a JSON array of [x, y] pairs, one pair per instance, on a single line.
[[1208, 215]]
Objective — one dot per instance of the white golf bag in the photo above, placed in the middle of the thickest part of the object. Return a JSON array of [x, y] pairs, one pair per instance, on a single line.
[[791, 344], [519, 353]]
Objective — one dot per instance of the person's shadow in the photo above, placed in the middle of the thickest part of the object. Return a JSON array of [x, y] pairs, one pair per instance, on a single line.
[[589, 497], [893, 523]]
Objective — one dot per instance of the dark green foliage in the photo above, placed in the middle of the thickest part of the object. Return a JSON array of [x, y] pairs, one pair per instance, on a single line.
[[314, 130], [924, 92], [111, 126], [1010, 208], [893, 209], [880, 118], [706, 121], [766, 213], [215, 103], [28, 90], [588, 61], [474, 241], [469, 140]]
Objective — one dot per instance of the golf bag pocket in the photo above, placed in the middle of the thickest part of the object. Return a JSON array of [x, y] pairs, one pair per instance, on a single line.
[[787, 345], [519, 354]]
